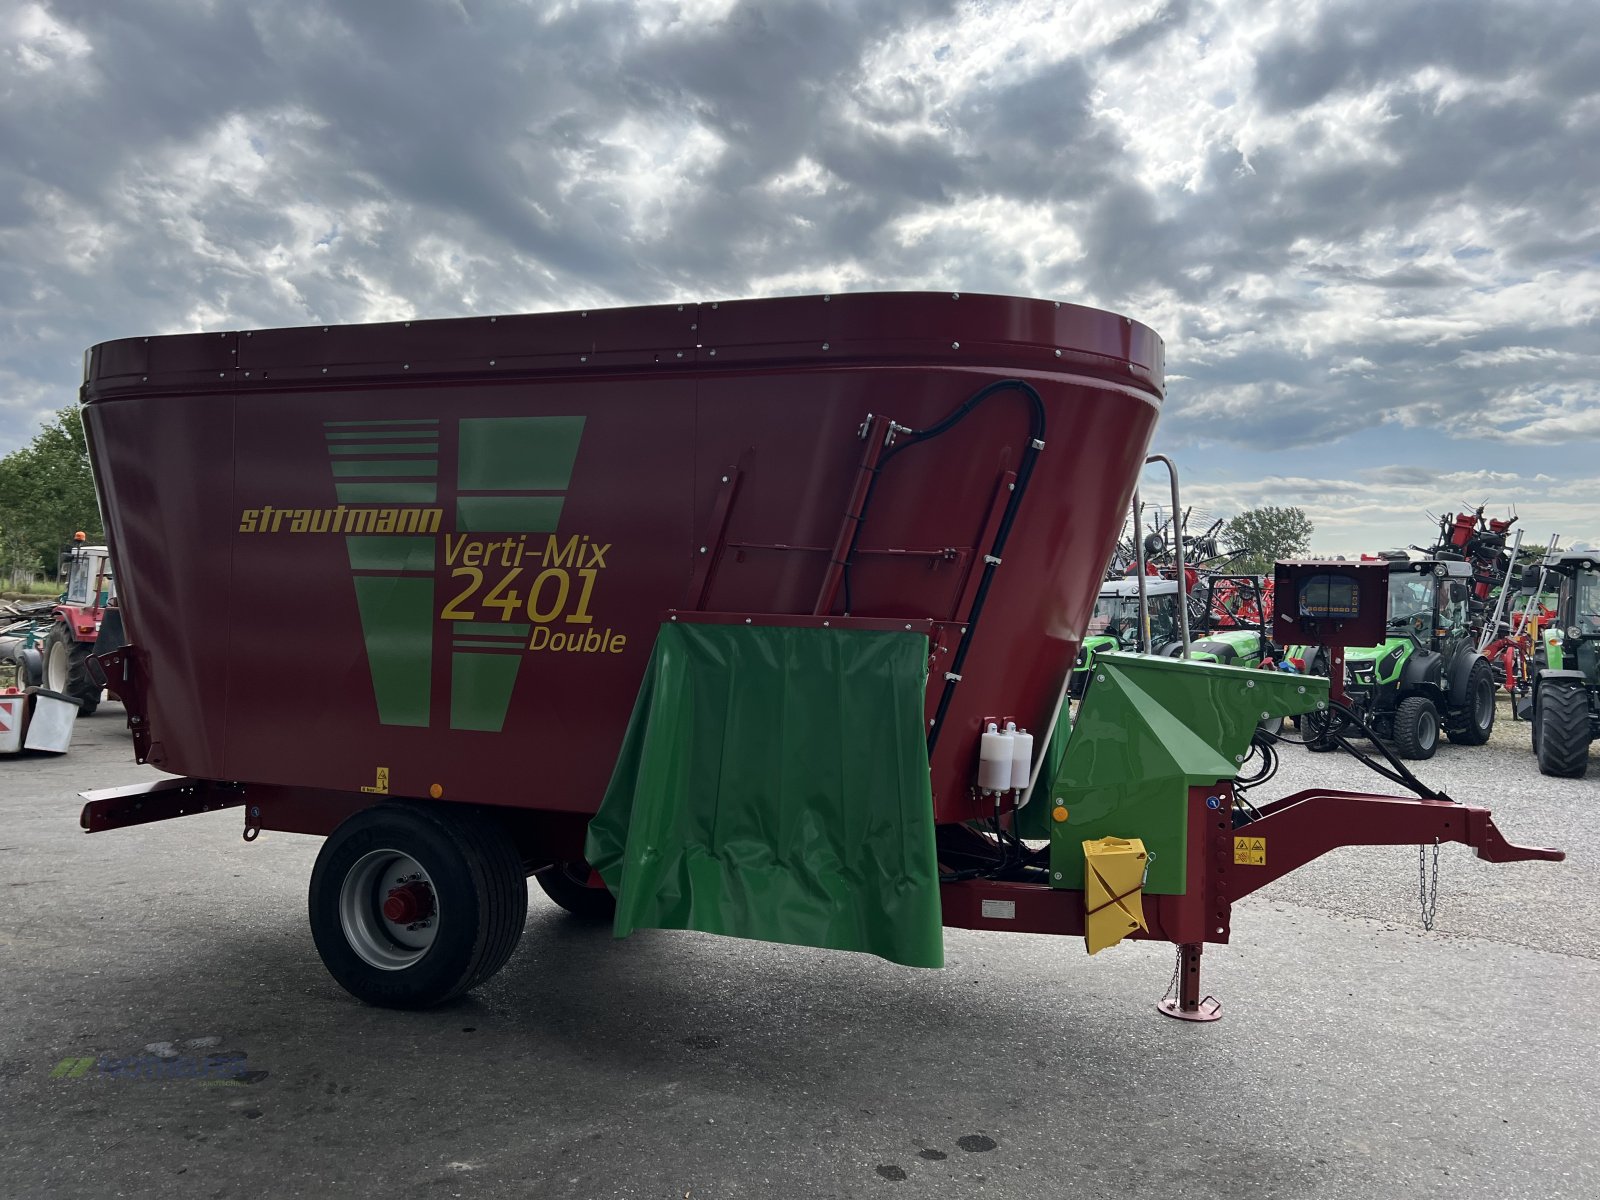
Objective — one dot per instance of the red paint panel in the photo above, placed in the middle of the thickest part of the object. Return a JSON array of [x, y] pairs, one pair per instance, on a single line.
[[937, 494], [165, 472], [276, 657]]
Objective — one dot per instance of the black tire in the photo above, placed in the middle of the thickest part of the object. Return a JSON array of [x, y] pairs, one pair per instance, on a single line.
[[472, 875], [1416, 727], [67, 669], [30, 668], [1317, 729], [565, 884], [1561, 730], [1474, 722]]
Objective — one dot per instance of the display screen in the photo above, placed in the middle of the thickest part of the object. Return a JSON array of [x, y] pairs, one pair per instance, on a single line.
[[1330, 597]]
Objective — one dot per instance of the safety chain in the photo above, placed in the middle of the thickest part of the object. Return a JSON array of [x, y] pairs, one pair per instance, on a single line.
[[1428, 890], [1172, 992]]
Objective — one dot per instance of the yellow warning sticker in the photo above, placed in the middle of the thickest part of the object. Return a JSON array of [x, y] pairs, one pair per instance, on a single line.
[[381, 785], [1250, 851]]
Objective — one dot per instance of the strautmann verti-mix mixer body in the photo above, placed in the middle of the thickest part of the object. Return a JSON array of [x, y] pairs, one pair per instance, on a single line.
[[697, 614]]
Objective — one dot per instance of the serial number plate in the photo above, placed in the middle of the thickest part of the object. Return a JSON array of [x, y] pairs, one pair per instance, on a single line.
[[1000, 910]]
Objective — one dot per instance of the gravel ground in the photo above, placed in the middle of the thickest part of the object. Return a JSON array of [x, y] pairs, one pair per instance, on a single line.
[[1358, 1055]]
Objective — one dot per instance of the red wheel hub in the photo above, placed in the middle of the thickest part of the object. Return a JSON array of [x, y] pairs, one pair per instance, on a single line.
[[408, 903]]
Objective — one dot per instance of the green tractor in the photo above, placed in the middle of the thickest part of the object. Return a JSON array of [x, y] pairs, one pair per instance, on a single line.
[[1428, 676], [1565, 704], [1236, 647], [1237, 612], [1114, 624]]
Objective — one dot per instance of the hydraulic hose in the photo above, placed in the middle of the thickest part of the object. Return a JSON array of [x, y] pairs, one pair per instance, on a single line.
[[991, 560], [1400, 774]]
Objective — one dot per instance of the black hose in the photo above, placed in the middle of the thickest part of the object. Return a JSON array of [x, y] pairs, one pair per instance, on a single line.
[[1260, 744], [912, 437], [1401, 774], [1030, 454]]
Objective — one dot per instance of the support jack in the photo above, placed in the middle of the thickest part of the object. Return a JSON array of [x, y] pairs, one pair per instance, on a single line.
[[1188, 1005]]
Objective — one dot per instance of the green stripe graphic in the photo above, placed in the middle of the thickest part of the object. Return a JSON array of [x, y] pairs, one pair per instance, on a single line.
[[514, 457], [397, 623], [386, 493], [524, 454], [508, 514], [489, 629], [386, 467], [480, 689], [364, 434], [388, 448], [390, 553]]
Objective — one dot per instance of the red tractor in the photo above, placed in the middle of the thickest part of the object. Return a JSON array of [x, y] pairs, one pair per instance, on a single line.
[[86, 622]]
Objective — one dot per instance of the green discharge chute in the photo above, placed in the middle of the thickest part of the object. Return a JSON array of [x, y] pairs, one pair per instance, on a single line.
[[773, 784], [1150, 728]]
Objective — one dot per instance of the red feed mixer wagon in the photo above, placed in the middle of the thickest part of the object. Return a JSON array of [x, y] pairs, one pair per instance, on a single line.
[[724, 616]]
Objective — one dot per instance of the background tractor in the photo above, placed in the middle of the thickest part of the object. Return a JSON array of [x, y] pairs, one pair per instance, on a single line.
[[1427, 676], [1114, 624], [1236, 611], [1565, 704], [86, 622]]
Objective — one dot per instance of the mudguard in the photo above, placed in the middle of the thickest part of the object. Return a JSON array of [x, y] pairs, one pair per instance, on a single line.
[[1213, 651], [112, 635], [1460, 672], [1564, 677], [1422, 669]]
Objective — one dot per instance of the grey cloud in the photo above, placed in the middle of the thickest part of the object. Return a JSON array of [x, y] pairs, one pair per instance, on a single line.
[[1406, 277], [1036, 138], [467, 157], [1173, 15], [1352, 46], [1400, 476]]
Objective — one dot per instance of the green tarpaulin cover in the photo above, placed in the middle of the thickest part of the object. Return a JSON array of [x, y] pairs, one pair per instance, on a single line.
[[773, 784]]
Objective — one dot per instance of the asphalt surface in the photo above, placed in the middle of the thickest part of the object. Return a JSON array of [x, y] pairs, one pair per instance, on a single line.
[[1358, 1055]]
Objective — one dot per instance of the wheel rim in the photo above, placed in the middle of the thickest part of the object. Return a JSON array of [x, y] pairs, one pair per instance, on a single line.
[[1485, 707], [55, 671], [388, 909], [1427, 731]]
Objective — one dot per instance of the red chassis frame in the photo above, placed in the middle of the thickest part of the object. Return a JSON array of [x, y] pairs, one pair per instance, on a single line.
[[1296, 829]]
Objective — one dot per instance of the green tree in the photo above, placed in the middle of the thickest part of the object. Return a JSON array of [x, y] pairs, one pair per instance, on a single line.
[[46, 495], [1258, 537]]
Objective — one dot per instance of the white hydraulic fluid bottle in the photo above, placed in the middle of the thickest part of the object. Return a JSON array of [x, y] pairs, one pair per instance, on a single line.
[[994, 760], [1021, 758]]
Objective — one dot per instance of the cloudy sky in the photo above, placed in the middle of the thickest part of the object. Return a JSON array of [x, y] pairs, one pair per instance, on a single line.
[[1369, 230]]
